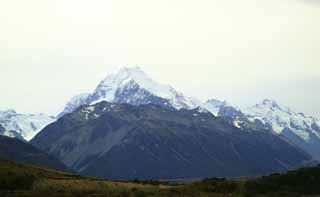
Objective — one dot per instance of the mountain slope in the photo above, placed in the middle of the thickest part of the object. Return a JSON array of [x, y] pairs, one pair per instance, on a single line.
[[298, 128], [132, 86], [12, 134], [22, 152], [150, 141], [23, 125], [214, 105]]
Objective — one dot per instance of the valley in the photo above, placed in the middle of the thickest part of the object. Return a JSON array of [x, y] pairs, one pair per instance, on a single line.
[[25, 180]]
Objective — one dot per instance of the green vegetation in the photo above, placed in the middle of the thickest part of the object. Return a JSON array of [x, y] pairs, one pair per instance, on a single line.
[[302, 181], [22, 180]]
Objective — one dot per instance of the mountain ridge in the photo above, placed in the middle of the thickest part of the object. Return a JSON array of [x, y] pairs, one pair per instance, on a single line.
[[133, 86], [124, 141], [23, 152], [23, 126], [298, 128]]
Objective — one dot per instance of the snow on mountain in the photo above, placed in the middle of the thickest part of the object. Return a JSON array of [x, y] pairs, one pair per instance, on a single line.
[[280, 117], [74, 103], [300, 129], [12, 134], [112, 140], [229, 113], [133, 86], [23, 125], [214, 106]]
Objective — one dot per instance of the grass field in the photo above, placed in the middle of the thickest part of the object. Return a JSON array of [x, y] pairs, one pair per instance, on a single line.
[[24, 180]]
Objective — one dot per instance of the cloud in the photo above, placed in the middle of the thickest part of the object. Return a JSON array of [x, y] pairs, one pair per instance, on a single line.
[[225, 50], [312, 2]]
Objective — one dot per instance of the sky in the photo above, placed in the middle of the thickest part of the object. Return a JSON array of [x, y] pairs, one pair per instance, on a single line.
[[239, 51]]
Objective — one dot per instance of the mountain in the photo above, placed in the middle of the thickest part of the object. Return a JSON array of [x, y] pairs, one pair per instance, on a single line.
[[74, 103], [23, 126], [22, 152], [12, 134], [233, 115], [299, 129], [302, 130], [214, 105], [123, 141], [132, 86]]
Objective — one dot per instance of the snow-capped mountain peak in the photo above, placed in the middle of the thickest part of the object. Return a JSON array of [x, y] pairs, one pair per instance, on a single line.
[[74, 103], [126, 76], [6, 113], [297, 127], [271, 112], [133, 86], [271, 103], [23, 125], [214, 105]]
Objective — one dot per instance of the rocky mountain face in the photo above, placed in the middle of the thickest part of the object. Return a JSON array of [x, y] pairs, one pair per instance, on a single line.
[[2, 129], [299, 129], [22, 152], [240, 120], [74, 103], [214, 106], [302, 130], [133, 86], [23, 126], [12, 134], [122, 141]]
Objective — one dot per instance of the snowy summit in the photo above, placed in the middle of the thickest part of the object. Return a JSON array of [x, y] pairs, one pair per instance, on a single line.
[[132, 86]]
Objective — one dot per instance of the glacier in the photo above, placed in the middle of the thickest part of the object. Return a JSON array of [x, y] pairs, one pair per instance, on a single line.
[[23, 125]]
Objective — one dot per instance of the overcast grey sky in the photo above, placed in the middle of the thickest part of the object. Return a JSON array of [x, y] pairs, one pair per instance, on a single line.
[[241, 51]]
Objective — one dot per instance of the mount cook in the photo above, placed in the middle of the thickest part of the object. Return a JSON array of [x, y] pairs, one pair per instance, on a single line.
[[130, 120], [133, 86]]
